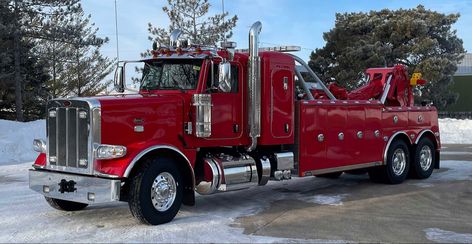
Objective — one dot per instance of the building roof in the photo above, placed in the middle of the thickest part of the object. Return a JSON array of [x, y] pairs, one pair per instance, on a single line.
[[465, 66]]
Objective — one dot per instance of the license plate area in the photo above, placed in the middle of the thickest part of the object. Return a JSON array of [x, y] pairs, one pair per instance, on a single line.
[[75, 188]]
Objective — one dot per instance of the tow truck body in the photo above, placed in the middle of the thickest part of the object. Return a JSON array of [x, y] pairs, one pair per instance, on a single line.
[[214, 120]]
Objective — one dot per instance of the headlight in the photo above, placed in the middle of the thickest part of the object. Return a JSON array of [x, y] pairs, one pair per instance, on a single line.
[[39, 145], [110, 151]]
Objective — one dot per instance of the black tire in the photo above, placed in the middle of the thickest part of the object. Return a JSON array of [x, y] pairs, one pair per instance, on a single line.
[[140, 200], [65, 205], [387, 174], [417, 171], [334, 175]]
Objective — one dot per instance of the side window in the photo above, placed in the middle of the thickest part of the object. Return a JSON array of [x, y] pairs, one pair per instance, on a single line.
[[213, 88]]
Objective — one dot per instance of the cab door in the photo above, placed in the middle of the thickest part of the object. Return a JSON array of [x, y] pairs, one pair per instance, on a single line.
[[226, 110]]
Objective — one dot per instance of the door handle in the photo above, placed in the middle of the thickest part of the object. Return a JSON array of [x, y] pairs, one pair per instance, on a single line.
[[235, 128]]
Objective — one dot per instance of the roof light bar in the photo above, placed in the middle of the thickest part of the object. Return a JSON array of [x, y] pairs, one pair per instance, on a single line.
[[281, 49]]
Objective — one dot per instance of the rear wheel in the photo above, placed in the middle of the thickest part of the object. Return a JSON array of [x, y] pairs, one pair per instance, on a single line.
[[65, 205], [397, 167], [424, 158], [156, 192]]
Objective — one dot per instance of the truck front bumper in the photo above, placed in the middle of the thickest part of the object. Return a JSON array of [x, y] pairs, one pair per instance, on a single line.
[[75, 188]]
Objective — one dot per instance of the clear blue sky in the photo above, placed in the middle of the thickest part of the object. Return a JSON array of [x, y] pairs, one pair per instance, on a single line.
[[285, 22]]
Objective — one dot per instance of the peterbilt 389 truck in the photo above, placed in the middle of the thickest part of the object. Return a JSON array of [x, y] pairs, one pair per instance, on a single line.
[[211, 120]]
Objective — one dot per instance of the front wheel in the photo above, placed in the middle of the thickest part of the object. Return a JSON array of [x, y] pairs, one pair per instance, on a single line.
[[65, 205], [156, 191]]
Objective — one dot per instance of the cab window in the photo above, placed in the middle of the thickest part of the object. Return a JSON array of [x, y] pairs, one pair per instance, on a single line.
[[213, 88]]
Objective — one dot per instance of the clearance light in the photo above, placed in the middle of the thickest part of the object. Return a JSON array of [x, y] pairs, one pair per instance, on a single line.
[[39, 145], [154, 53], [110, 151]]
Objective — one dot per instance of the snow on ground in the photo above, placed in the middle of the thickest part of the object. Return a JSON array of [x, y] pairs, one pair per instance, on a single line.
[[16, 140], [333, 200], [444, 236], [455, 131], [16, 137], [26, 217]]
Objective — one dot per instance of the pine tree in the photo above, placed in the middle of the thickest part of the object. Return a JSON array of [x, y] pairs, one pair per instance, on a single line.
[[56, 34], [77, 67], [419, 38], [22, 73], [191, 17], [26, 25]]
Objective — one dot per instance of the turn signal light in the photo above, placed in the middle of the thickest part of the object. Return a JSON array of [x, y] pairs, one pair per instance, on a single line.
[[110, 151]]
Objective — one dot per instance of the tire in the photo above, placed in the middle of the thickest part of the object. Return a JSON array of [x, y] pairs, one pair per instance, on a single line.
[[334, 175], [143, 199], [423, 159], [65, 205], [397, 167]]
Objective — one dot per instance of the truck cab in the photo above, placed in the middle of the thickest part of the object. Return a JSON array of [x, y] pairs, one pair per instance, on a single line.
[[211, 120]]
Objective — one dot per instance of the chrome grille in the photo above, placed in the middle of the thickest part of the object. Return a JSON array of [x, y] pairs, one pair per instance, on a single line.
[[70, 141]]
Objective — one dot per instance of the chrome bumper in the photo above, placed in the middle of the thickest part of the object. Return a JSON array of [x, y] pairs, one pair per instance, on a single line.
[[85, 189]]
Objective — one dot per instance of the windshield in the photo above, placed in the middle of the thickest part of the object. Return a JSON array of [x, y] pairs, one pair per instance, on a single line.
[[171, 75]]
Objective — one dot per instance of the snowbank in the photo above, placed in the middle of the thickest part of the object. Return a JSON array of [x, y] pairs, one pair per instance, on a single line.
[[16, 137], [16, 140], [455, 131]]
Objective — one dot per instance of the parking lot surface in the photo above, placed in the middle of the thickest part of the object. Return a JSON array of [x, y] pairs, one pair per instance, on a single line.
[[309, 209]]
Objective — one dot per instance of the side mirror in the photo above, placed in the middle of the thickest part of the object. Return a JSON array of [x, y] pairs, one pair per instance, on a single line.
[[224, 77], [119, 81]]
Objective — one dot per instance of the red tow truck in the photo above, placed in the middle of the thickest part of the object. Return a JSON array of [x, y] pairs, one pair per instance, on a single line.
[[210, 120]]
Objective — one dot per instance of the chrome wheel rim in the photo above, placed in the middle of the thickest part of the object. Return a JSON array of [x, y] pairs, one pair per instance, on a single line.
[[398, 161], [163, 191], [426, 158]]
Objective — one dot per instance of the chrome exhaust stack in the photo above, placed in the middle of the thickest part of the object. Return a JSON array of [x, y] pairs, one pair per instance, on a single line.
[[254, 85]]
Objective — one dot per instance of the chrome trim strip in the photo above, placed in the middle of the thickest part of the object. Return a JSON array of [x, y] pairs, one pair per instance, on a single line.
[[390, 142], [77, 136], [421, 134], [152, 148], [342, 168], [66, 164]]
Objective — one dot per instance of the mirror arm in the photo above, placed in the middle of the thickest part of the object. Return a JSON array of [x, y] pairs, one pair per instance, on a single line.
[[212, 70]]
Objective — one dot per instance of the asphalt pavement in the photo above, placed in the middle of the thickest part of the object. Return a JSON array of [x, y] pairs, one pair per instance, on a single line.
[[438, 209]]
